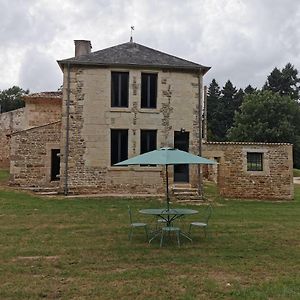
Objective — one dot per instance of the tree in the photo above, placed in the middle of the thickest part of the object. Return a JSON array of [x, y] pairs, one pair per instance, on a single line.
[[249, 89], [226, 109], [11, 98], [213, 98], [268, 117], [285, 82]]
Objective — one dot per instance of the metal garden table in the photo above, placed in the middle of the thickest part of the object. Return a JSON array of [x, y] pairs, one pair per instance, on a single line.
[[169, 215]]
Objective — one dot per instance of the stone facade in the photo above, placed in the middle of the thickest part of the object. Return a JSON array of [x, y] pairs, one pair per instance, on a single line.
[[42, 108], [9, 122], [92, 118], [275, 181], [31, 155]]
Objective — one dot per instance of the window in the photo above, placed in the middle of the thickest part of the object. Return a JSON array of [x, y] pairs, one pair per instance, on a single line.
[[119, 89], [148, 140], [119, 145], [148, 90], [254, 161], [55, 164]]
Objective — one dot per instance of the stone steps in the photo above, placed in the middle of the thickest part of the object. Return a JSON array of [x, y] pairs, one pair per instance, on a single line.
[[185, 193], [43, 190]]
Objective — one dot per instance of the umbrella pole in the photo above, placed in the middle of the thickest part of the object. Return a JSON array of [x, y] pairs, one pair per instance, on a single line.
[[167, 188]]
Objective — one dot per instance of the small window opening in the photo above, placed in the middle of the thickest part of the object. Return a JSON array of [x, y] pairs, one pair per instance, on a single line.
[[254, 161], [55, 164]]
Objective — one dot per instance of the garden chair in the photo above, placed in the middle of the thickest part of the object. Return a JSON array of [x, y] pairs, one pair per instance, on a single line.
[[169, 229], [204, 222], [136, 225]]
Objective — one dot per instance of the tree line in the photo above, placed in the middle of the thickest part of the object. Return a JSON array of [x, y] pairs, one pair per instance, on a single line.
[[11, 99], [270, 114]]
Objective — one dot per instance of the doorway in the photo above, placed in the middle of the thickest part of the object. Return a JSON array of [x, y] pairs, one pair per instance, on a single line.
[[55, 164], [181, 142]]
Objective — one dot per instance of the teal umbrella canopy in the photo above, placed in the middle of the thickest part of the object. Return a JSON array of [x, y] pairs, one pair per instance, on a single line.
[[166, 156]]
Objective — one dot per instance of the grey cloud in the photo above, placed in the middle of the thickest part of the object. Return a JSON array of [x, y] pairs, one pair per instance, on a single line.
[[39, 72], [241, 40]]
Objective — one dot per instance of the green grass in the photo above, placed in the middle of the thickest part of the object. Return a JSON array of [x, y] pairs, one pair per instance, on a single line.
[[296, 172], [78, 249], [4, 175]]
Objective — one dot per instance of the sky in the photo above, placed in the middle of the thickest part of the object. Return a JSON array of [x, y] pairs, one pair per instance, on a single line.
[[241, 40]]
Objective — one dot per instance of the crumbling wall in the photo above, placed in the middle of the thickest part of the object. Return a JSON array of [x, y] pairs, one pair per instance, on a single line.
[[31, 155], [9, 122]]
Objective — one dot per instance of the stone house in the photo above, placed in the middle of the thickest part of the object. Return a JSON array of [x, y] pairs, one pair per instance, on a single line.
[[126, 100]]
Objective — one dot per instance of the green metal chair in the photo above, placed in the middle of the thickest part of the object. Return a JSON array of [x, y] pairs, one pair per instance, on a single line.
[[170, 229], [204, 222], [136, 225]]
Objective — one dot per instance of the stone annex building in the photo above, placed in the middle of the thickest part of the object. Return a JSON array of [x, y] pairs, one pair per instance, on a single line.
[[117, 103]]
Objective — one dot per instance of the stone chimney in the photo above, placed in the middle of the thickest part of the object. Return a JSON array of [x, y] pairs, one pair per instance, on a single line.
[[82, 47]]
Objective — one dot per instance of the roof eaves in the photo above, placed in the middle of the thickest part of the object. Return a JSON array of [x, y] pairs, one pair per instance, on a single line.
[[246, 143], [32, 128], [204, 69]]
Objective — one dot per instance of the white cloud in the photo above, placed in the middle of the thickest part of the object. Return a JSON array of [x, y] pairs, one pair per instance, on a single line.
[[241, 40]]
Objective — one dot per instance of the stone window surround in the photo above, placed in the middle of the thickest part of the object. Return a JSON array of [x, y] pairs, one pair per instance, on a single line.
[[266, 166], [130, 94]]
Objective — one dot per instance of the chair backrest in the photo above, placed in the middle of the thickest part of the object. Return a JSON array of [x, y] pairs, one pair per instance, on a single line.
[[207, 214], [130, 214]]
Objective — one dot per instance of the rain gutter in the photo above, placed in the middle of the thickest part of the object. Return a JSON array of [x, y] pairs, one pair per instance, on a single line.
[[200, 82], [66, 187]]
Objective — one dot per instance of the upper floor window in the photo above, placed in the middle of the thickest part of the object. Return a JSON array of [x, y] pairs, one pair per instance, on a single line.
[[254, 161], [149, 90], [118, 145], [148, 140], [119, 89]]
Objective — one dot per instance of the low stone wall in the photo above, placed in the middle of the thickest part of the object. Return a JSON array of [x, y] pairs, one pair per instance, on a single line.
[[9, 122], [275, 181], [31, 155]]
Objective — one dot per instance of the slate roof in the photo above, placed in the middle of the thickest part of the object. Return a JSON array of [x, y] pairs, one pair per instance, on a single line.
[[134, 55]]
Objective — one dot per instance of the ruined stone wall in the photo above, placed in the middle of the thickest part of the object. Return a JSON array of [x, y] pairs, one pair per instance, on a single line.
[[92, 117], [234, 181], [9, 122], [31, 155], [40, 112]]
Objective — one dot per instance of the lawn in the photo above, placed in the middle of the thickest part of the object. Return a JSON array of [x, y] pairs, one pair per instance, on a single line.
[[56, 248], [296, 172]]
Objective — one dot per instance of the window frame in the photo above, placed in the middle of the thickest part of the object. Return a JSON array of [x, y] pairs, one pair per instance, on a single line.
[[149, 148], [255, 161], [149, 97], [146, 133], [117, 86], [119, 135]]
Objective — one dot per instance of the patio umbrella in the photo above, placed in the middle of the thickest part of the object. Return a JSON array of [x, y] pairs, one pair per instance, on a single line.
[[166, 156]]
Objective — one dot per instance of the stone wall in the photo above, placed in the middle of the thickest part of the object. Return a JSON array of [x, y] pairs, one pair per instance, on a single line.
[[31, 155], [42, 111], [9, 122], [234, 181], [92, 117]]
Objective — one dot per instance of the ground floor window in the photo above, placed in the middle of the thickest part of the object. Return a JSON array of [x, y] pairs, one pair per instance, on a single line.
[[119, 145], [55, 164], [148, 140], [254, 161]]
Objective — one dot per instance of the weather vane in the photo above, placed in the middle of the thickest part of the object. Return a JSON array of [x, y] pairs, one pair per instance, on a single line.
[[131, 33]]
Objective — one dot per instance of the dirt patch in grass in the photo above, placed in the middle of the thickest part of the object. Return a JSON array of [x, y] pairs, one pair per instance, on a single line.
[[38, 257]]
